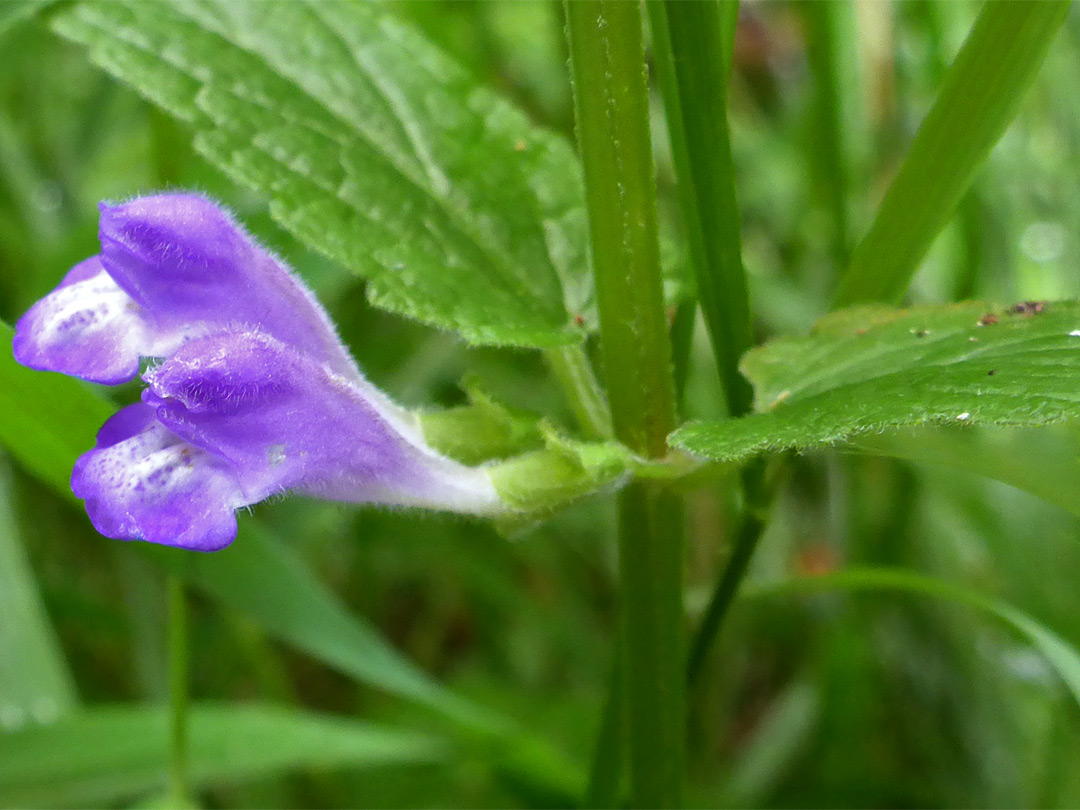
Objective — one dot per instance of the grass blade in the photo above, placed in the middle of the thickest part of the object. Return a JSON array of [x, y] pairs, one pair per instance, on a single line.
[[106, 755], [1059, 654], [691, 41], [35, 684], [1000, 57]]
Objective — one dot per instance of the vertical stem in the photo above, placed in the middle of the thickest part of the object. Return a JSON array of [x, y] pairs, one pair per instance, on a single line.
[[682, 343], [757, 499], [611, 106], [611, 101], [650, 566], [178, 690], [691, 41], [606, 770]]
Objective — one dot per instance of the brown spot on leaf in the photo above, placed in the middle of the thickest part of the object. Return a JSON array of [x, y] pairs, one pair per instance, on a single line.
[[1027, 308]]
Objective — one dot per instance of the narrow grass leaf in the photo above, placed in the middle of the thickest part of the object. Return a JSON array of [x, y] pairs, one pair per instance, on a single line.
[[35, 684], [869, 369], [373, 148], [689, 46], [263, 579], [1000, 58], [102, 756], [1062, 656]]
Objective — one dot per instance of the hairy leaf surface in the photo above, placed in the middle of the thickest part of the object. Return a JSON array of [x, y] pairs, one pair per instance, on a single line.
[[869, 369], [373, 148]]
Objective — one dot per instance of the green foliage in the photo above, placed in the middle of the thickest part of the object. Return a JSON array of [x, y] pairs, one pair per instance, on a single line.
[[695, 97], [1062, 657], [15, 11], [106, 755], [479, 665], [46, 420], [374, 149], [261, 578], [480, 431], [35, 684], [1001, 57], [1041, 461], [870, 369]]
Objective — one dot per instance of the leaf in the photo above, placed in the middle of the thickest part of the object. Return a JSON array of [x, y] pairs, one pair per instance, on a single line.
[[373, 148], [106, 755], [1000, 58], [1059, 654], [35, 684], [263, 579], [1042, 461], [13, 12], [869, 369], [687, 38]]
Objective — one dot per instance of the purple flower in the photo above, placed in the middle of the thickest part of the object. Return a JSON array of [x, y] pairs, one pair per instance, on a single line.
[[255, 394]]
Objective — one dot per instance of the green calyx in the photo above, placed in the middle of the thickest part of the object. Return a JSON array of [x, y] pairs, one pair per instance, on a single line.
[[535, 468]]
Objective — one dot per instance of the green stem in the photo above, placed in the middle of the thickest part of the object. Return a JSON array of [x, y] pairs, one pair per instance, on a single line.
[[574, 373], [691, 40], [650, 567], [179, 787], [605, 774], [612, 105], [682, 343], [759, 490], [612, 114]]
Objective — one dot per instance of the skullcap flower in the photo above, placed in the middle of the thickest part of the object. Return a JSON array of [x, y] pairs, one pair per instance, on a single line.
[[254, 394]]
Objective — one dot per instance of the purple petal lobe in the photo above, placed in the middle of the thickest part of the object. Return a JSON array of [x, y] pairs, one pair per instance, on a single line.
[[287, 422], [192, 266], [143, 482], [87, 327]]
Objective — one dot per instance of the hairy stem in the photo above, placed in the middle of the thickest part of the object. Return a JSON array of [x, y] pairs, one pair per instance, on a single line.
[[611, 107]]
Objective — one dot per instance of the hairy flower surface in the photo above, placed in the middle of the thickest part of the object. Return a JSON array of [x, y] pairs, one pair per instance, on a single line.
[[254, 395]]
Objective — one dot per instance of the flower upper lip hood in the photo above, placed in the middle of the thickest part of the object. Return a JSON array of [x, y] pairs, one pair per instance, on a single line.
[[254, 395], [171, 267]]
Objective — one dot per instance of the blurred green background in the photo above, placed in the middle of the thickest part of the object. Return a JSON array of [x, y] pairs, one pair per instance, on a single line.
[[829, 700]]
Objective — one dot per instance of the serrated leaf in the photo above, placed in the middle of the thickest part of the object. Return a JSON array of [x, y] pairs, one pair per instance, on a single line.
[[373, 148], [105, 755], [869, 369]]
